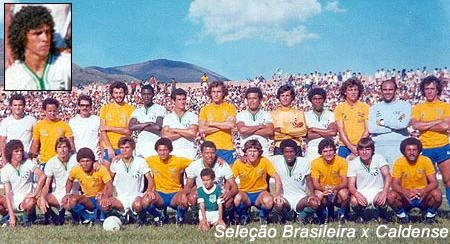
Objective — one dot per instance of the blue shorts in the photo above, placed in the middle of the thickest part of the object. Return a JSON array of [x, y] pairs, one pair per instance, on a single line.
[[253, 196], [437, 154], [227, 155], [167, 198], [106, 156], [343, 151], [415, 203]]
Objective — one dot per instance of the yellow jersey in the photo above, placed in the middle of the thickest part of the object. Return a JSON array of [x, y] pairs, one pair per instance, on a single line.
[[428, 111], [91, 184], [219, 113], [116, 116], [252, 178], [353, 118], [292, 123], [413, 176], [329, 173], [47, 132], [168, 174]]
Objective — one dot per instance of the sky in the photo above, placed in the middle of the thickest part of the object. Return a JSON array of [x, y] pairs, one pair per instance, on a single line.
[[241, 39]]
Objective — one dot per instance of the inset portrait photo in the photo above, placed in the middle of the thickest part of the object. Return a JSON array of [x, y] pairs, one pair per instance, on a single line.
[[38, 47]]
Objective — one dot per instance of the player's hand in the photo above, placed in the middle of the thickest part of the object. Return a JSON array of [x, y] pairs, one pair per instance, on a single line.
[[100, 196], [150, 195], [313, 199], [226, 195], [278, 199], [361, 199], [43, 204], [220, 161], [277, 129], [183, 200], [381, 198], [111, 153], [105, 203], [12, 221]]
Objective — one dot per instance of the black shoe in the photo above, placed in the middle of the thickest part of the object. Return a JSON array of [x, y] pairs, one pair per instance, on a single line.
[[158, 222], [359, 220], [430, 220], [179, 222], [342, 219], [403, 220], [281, 219], [263, 221], [27, 224], [244, 220], [302, 221]]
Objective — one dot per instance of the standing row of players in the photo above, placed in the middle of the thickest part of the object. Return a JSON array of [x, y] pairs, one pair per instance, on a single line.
[[387, 122], [306, 187]]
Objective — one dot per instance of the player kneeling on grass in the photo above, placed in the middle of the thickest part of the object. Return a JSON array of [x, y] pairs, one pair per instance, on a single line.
[[329, 176], [95, 184], [128, 173], [17, 179], [57, 170], [414, 183], [210, 202], [295, 177], [253, 185], [368, 180], [168, 173]]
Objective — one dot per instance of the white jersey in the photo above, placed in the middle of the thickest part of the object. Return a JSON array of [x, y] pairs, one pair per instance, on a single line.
[[367, 178], [20, 129], [261, 117], [321, 122], [60, 173], [182, 147], [223, 172], [86, 132], [293, 180], [145, 142], [129, 181], [57, 75], [21, 179]]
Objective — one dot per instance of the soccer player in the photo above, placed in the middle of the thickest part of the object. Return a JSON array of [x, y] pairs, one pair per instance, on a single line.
[[47, 131], [167, 171], [288, 121], [57, 170], [37, 65], [86, 126], [181, 126], [217, 119], [320, 122], [298, 190], [17, 178], [95, 185], [147, 121], [389, 121], [368, 180], [253, 185], [432, 119], [254, 122], [329, 176], [414, 183], [16, 126], [224, 178], [114, 118], [128, 173], [210, 201], [351, 118]]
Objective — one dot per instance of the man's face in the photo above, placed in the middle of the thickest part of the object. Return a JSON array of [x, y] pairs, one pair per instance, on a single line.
[[253, 101], [252, 154], [118, 95], [208, 156], [388, 91], [317, 102], [365, 153], [126, 151], [180, 102], [328, 154], [412, 153], [217, 94], [147, 96], [286, 99], [63, 150], [163, 152], [352, 93], [17, 155], [430, 92], [85, 108], [17, 108], [86, 164], [51, 112], [289, 154], [38, 41]]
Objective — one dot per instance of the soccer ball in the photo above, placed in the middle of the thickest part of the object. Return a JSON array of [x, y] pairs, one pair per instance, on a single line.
[[112, 223]]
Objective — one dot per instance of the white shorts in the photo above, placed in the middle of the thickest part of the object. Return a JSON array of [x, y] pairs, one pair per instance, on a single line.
[[16, 201], [294, 199], [211, 216], [370, 194], [127, 201]]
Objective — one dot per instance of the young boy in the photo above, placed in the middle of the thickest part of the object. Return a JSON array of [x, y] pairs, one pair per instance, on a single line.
[[211, 209]]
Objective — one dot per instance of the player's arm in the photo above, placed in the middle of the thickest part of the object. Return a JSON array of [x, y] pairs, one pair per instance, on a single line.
[[205, 128], [354, 191], [230, 190], [278, 188], [151, 186], [119, 130], [41, 181], [387, 179], [228, 124], [438, 125], [343, 184], [399, 189], [34, 149], [169, 133], [188, 186], [432, 184], [314, 133], [9, 201], [344, 138], [72, 144], [104, 136], [154, 127], [2, 149], [189, 133]]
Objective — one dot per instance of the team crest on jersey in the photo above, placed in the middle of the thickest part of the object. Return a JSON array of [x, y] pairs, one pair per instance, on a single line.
[[43, 132], [173, 171], [123, 119], [212, 198], [421, 172], [374, 172], [299, 177], [259, 172]]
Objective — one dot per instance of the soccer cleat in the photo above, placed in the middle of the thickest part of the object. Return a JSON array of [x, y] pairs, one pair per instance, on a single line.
[[263, 221], [403, 220], [342, 219], [158, 222], [359, 220], [244, 220], [281, 219], [179, 222]]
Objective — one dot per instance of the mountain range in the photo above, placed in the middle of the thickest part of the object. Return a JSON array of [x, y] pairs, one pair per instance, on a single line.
[[162, 69]]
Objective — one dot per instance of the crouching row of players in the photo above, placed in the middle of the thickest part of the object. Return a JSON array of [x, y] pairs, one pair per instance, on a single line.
[[310, 189]]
